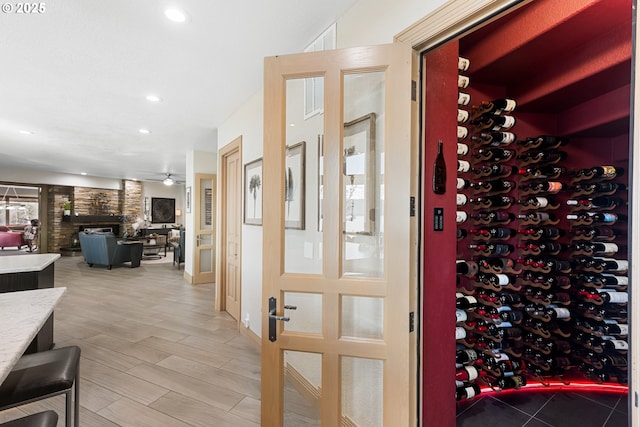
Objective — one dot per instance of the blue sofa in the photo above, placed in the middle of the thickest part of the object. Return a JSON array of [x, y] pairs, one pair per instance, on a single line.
[[105, 249]]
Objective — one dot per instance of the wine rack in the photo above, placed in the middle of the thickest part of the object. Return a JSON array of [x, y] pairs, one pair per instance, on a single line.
[[542, 260]]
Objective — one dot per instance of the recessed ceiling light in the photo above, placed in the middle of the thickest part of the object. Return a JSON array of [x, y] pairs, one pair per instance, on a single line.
[[292, 124], [26, 132], [153, 98], [145, 131], [175, 15], [83, 173]]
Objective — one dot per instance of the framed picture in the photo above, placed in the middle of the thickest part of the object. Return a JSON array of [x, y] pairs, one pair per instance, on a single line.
[[294, 187], [359, 169], [163, 210], [253, 192], [188, 200]]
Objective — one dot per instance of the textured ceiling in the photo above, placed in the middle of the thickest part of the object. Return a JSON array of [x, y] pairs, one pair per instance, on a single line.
[[77, 76]]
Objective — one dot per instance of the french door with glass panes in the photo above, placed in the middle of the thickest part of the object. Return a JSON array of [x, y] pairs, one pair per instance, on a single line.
[[338, 260]]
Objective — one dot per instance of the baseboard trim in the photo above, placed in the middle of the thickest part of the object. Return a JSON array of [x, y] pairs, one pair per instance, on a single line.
[[188, 277], [309, 392], [252, 336]]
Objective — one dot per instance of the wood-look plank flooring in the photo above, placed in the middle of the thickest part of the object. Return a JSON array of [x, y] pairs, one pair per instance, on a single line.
[[154, 351]]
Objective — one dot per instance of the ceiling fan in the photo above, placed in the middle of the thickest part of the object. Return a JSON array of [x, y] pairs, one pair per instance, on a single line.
[[169, 179]]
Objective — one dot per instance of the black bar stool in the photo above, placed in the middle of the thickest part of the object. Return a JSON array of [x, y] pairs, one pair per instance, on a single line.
[[41, 419], [42, 375]]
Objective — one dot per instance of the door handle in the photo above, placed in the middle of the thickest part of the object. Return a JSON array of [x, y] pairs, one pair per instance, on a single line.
[[273, 318]]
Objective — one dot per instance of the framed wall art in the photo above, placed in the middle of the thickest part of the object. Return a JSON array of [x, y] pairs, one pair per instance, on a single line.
[[253, 192], [294, 187], [163, 210]]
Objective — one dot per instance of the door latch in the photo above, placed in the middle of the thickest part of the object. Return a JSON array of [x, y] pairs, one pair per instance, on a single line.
[[273, 317]]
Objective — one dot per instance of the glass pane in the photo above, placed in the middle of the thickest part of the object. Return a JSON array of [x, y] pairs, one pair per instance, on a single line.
[[207, 201], [362, 317], [206, 255], [362, 391], [303, 238], [363, 174], [302, 389], [307, 315]]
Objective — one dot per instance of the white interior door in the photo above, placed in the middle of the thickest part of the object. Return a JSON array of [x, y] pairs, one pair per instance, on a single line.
[[337, 259]]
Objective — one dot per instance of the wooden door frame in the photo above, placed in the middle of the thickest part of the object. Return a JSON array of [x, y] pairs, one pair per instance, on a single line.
[[233, 147]]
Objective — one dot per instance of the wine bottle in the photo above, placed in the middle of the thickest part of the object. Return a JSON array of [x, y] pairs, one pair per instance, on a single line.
[[596, 248], [463, 63], [461, 316], [548, 172], [466, 374], [466, 268], [509, 382], [463, 98], [597, 202], [467, 392], [463, 149], [548, 248], [461, 216], [536, 216], [499, 217], [463, 81], [461, 199], [507, 314], [608, 172], [462, 132], [534, 202], [494, 154], [594, 232], [494, 139], [493, 122], [492, 262], [498, 185], [609, 296], [440, 172], [541, 232], [551, 187], [494, 232], [466, 356], [497, 106], [462, 183], [493, 248], [492, 201], [612, 327], [463, 116], [597, 217], [463, 166], [495, 170], [495, 280], [466, 302]]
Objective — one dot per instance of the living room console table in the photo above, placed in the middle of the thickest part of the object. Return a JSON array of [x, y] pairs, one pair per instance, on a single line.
[[29, 272]]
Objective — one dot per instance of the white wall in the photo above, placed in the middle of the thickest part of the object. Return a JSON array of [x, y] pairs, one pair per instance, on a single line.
[[158, 189], [368, 22]]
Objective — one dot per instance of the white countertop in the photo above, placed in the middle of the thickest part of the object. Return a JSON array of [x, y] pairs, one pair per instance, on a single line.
[[23, 314], [24, 263]]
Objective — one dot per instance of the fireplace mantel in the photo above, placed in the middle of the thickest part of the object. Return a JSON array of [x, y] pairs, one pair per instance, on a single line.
[[92, 219]]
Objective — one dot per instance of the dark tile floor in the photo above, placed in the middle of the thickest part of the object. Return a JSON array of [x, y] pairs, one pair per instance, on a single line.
[[543, 408]]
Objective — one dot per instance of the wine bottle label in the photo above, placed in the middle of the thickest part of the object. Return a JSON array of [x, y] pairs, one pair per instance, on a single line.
[[554, 187], [572, 202], [462, 132], [619, 344], [461, 199], [562, 313], [609, 217], [499, 356], [615, 297], [472, 373], [511, 105], [620, 280], [609, 248], [463, 63], [460, 333], [460, 183], [463, 98], [509, 121], [609, 171], [470, 392], [461, 216], [461, 315], [543, 202], [463, 166], [624, 329], [503, 279], [463, 81], [508, 137], [462, 148], [463, 116]]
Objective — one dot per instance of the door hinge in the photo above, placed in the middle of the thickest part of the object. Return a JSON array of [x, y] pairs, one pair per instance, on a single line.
[[414, 90], [412, 325], [412, 206]]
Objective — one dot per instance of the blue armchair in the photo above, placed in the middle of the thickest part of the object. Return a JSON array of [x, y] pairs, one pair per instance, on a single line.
[[105, 249]]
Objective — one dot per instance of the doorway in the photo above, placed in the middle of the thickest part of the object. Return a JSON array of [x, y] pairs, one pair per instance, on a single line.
[[229, 259]]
